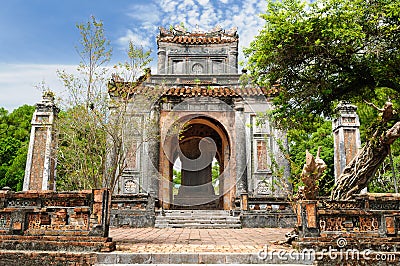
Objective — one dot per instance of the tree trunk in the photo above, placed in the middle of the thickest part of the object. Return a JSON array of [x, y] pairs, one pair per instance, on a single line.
[[362, 168]]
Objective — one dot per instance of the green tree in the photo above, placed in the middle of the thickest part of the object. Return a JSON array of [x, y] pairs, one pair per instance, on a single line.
[[215, 172], [300, 140], [385, 179], [326, 51], [82, 148], [14, 140], [92, 150]]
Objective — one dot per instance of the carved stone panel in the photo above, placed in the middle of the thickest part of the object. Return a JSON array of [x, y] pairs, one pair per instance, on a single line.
[[349, 223], [311, 214], [5, 221], [131, 185], [264, 187], [390, 225], [262, 160]]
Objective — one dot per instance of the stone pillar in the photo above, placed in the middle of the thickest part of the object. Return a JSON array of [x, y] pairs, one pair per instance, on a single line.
[[153, 153], [41, 159], [233, 60], [240, 154], [346, 136], [161, 61]]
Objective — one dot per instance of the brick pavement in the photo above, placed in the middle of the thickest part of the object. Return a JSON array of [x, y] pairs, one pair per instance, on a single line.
[[184, 240]]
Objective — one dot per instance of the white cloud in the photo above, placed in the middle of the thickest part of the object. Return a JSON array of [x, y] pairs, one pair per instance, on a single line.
[[18, 81], [203, 2], [168, 5], [147, 19], [146, 13], [138, 37], [204, 13]]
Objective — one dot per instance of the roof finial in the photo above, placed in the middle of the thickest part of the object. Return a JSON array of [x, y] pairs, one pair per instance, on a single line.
[[197, 30]]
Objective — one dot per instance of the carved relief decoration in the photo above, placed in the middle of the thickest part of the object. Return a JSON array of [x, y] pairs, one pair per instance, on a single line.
[[5, 220], [263, 187], [342, 205], [130, 186], [349, 223]]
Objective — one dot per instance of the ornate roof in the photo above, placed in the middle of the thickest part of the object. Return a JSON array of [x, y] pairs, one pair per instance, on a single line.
[[180, 35], [191, 91], [216, 91]]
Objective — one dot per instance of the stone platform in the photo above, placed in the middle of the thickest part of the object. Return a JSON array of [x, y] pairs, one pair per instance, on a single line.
[[196, 246], [206, 219]]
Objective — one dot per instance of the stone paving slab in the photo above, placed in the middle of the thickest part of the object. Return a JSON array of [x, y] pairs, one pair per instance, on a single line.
[[197, 246], [188, 240], [194, 264], [197, 258]]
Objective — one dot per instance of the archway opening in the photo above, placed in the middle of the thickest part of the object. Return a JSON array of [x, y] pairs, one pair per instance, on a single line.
[[202, 154], [176, 176]]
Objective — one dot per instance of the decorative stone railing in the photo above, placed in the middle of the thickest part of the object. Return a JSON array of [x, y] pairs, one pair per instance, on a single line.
[[53, 220], [132, 210], [267, 212], [367, 221]]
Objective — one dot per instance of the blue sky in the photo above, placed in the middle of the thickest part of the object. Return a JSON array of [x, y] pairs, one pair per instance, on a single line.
[[40, 36]]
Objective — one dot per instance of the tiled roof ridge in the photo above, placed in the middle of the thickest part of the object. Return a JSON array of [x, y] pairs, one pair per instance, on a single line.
[[195, 90], [178, 34]]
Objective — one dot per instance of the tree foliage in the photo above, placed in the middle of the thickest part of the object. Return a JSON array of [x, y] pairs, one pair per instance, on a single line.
[[91, 151], [300, 140], [386, 177], [14, 139], [325, 51], [81, 154]]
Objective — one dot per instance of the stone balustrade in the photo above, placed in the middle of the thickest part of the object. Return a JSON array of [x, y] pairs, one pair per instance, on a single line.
[[48, 220], [368, 221]]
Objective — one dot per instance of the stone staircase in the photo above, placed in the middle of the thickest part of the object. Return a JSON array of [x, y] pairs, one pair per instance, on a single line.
[[211, 219]]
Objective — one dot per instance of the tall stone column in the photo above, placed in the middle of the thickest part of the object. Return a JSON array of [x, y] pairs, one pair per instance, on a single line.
[[241, 159], [161, 61], [233, 60], [346, 135], [41, 159], [153, 153]]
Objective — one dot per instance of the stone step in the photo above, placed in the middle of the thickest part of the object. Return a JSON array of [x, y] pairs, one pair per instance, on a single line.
[[200, 226], [207, 213], [201, 221], [195, 224], [168, 259], [188, 219], [197, 219]]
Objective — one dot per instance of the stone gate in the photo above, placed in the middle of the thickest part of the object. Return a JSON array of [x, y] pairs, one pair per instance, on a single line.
[[203, 115]]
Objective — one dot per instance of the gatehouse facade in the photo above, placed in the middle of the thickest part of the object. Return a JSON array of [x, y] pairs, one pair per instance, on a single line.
[[195, 137], [198, 140]]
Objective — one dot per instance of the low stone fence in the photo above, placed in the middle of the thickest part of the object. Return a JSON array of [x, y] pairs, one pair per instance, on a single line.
[[136, 210], [369, 221], [55, 221], [268, 212]]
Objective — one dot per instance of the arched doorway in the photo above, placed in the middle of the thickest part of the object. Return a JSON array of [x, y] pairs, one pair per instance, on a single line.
[[202, 148]]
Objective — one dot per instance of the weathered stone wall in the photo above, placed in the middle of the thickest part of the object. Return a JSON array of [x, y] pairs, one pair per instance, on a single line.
[[10, 258], [132, 211], [47, 220], [268, 212], [370, 221]]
